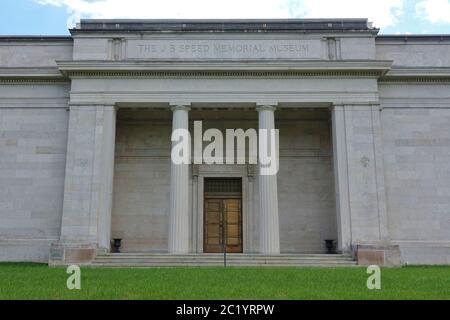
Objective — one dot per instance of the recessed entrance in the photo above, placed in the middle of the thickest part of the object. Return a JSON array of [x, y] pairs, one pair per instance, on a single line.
[[223, 215]]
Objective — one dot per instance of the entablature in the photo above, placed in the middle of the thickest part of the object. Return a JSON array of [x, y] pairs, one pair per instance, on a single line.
[[262, 68]]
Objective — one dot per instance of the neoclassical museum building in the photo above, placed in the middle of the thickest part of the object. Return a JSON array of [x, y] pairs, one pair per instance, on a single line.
[[364, 144]]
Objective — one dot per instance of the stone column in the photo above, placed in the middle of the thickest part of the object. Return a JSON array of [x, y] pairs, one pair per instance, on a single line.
[[341, 182], [268, 191], [106, 165], [179, 191]]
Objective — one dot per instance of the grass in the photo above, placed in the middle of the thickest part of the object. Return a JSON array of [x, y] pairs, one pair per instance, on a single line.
[[35, 281]]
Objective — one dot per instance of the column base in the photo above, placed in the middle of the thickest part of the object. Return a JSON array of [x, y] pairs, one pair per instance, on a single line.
[[385, 255], [62, 254]]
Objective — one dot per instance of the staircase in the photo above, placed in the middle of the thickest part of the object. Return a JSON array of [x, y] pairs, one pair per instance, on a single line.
[[148, 260]]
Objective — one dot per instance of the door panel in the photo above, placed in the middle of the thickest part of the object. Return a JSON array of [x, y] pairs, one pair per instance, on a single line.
[[233, 216], [223, 222], [213, 225], [233, 230]]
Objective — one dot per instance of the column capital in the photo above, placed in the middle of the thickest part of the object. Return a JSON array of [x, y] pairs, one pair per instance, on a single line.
[[265, 107], [180, 106]]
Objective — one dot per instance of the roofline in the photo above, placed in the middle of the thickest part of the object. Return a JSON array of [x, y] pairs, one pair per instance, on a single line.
[[381, 37], [223, 25], [387, 37], [34, 38], [293, 20], [413, 37]]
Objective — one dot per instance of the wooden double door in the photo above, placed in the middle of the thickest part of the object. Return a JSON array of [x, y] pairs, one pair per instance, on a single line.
[[222, 225]]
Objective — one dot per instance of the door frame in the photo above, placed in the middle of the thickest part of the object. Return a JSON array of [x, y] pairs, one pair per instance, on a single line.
[[247, 174]]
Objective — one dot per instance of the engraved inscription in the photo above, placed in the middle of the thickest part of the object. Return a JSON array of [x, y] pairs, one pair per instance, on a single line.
[[224, 49]]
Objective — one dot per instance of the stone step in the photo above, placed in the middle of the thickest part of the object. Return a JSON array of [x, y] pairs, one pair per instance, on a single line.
[[240, 261], [123, 254], [228, 261], [211, 264], [220, 257], [205, 260], [220, 261]]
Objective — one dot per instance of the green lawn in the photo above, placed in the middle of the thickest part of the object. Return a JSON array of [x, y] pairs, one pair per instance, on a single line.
[[34, 281]]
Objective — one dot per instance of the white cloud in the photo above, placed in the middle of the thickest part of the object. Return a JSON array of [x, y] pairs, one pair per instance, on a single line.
[[382, 12], [164, 9], [434, 10]]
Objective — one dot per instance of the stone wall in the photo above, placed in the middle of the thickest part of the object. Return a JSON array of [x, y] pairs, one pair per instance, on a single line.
[[414, 53], [141, 186], [18, 53], [33, 138], [416, 142], [305, 187]]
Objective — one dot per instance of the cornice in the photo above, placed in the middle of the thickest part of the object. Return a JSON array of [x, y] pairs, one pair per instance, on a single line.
[[260, 68], [224, 69], [220, 74], [417, 75], [285, 98], [31, 76], [32, 38], [420, 80]]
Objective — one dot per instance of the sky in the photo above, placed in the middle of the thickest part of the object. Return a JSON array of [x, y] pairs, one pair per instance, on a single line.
[[54, 17]]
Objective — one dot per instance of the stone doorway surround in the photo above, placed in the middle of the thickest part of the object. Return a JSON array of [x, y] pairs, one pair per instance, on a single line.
[[247, 174]]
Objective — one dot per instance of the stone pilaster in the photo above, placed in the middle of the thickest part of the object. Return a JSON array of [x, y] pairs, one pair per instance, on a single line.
[[268, 192], [179, 191], [249, 243], [195, 230], [86, 218], [359, 185]]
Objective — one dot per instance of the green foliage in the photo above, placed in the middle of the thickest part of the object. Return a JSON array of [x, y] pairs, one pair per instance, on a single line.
[[34, 281]]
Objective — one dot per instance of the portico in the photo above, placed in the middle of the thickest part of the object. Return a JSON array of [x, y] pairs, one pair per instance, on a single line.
[[186, 222], [179, 191]]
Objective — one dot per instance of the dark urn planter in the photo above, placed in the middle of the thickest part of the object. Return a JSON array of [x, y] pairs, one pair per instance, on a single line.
[[117, 243], [330, 246]]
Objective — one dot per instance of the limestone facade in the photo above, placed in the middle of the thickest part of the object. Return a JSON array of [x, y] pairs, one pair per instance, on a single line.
[[364, 138]]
